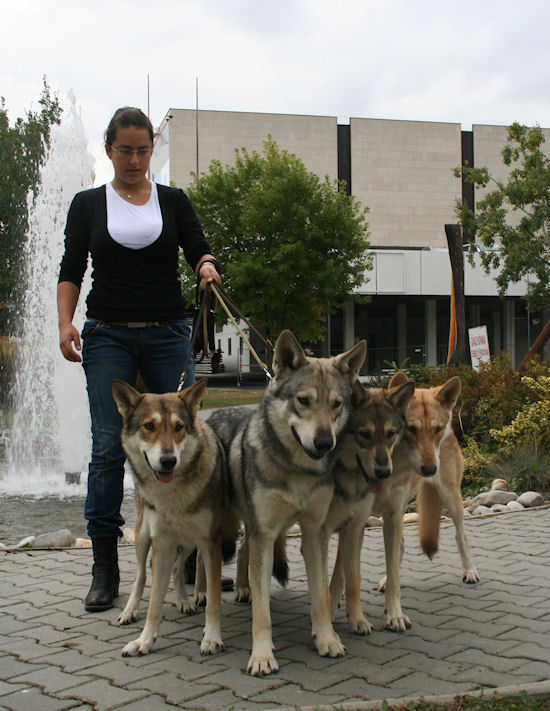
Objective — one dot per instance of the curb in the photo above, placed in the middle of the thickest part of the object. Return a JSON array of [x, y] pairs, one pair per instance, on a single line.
[[539, 688]]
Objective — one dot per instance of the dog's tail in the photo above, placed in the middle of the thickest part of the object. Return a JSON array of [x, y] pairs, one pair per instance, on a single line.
[[230, 531], [280, 563], [428, 504]]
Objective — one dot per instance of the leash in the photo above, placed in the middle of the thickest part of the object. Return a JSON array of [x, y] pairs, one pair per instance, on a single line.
[[218, 291], [202, 310]]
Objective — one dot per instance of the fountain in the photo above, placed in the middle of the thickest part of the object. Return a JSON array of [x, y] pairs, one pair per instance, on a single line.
[[50, 432]]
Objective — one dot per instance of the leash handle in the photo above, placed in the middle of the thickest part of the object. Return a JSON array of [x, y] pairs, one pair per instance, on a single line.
[[262, 365]]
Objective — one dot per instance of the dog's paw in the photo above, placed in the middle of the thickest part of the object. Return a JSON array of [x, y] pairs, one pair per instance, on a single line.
[[398, 622], [211, 646], [242, 594], [186, 607], [382, 584], [262, 666], [127, 616], [360, 626], [200, 599], [137, 648], [470, 576], [330, 646]]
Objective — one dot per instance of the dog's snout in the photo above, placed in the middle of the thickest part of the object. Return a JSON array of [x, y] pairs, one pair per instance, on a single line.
[[324, 442], [428, 469], [167, 461]]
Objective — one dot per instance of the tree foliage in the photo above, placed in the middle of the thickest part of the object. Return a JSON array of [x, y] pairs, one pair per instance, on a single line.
[[511, 223], [23, 147], [292, 246]]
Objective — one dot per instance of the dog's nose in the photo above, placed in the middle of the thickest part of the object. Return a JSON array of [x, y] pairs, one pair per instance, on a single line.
[[382, 472], [167, 461], [428, 469], [323, 442]]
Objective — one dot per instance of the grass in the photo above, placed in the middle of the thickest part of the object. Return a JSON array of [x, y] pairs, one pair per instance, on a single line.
[[523, 702], [227, 398]]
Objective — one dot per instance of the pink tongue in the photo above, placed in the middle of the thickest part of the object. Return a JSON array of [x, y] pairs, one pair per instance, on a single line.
[[166, 477], [376, 486]]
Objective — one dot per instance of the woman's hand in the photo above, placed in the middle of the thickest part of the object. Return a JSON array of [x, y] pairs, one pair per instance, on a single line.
[[208, 273], [68, 335]]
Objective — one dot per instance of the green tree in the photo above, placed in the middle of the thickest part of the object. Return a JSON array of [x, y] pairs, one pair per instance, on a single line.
[[511, 223], [292, 246], [23, 147]]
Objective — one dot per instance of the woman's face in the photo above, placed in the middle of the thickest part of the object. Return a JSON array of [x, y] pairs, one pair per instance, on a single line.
[[130, 167]]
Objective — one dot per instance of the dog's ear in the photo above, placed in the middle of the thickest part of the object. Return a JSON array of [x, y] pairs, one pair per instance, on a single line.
[[398, 379], [288, 354], [400, 395], [447, 394], [126, 397], [193, 395], [352, 360], [359, 394]]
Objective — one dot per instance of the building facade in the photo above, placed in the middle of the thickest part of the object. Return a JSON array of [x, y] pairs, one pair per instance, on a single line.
[[401, 171]]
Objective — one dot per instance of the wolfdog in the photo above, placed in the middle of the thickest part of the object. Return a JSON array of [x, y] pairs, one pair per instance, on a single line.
[[280, 459], [181, 485], [362, 472], [427, 461]]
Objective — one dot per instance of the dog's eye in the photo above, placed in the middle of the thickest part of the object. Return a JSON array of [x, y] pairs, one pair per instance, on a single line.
[[365, 435], [303, 400], [336, 404], [438, 429], [412, 429], [390, 434], [178, 426], [149, 426]]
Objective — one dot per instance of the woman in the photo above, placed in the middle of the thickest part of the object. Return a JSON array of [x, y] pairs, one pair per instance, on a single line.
[[133, 230]]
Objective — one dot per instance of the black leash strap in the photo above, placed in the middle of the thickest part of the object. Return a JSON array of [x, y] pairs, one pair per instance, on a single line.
[[198, 325]]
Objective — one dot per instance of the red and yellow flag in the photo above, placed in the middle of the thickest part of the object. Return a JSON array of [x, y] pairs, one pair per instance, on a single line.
[[452, 325]]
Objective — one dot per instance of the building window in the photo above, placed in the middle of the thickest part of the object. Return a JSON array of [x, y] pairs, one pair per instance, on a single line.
[[228, 346]]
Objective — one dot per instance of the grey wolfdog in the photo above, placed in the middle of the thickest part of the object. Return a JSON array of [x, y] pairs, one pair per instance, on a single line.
[[280, 460]]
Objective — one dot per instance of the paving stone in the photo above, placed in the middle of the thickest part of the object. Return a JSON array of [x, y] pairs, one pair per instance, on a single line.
[[32, 698], [173, 688], [51, 680], [102, 695], [295, 697], [11, 667]]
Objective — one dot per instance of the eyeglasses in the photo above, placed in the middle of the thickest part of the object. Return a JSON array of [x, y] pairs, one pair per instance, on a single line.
[[128, 152]]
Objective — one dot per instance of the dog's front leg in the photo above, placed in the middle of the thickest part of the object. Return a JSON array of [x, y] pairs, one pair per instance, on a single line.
[[396, 620], [262, 660], [351, 540], [212, 557], [164, 555], [453, 501], [315, 553], [143, 544]]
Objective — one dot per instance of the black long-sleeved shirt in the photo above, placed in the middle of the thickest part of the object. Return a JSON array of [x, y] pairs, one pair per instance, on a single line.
[[131, 284]]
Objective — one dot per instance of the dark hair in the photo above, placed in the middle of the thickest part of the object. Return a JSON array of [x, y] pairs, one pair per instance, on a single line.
[[127, 116]]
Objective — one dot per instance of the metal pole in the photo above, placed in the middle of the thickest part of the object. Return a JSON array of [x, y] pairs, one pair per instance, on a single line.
[[197, 128]]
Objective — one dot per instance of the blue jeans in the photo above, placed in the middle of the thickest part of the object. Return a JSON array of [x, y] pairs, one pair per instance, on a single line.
[[108, 352]]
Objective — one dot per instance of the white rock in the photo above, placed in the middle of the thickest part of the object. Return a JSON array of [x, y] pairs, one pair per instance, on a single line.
[[128, 535], [410, 518], [482, 511], [83, 543], [488, 498], [294, 530], [530, 499], [23, 542], [514, 506], [499, 508], [2, 546], [374, 521], [500, 485], [54, 539]]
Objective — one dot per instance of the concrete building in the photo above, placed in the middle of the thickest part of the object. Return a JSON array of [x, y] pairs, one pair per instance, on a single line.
[[401, 170]]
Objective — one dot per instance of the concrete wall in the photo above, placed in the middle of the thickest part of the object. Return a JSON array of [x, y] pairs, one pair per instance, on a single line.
[[401, 170], [311, 138]]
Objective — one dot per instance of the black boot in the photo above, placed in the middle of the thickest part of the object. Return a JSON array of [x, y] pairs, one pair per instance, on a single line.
[[105, 573]]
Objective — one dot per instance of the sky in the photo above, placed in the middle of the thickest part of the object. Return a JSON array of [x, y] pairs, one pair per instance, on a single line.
[[467, 62]]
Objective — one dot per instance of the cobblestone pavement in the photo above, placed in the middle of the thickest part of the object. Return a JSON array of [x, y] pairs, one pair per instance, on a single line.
[[54, 655]]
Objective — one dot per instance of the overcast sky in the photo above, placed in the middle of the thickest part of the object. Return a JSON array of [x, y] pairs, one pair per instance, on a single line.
[[466, 62]]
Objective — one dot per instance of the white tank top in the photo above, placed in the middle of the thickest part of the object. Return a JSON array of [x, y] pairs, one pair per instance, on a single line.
[[133, 226]]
